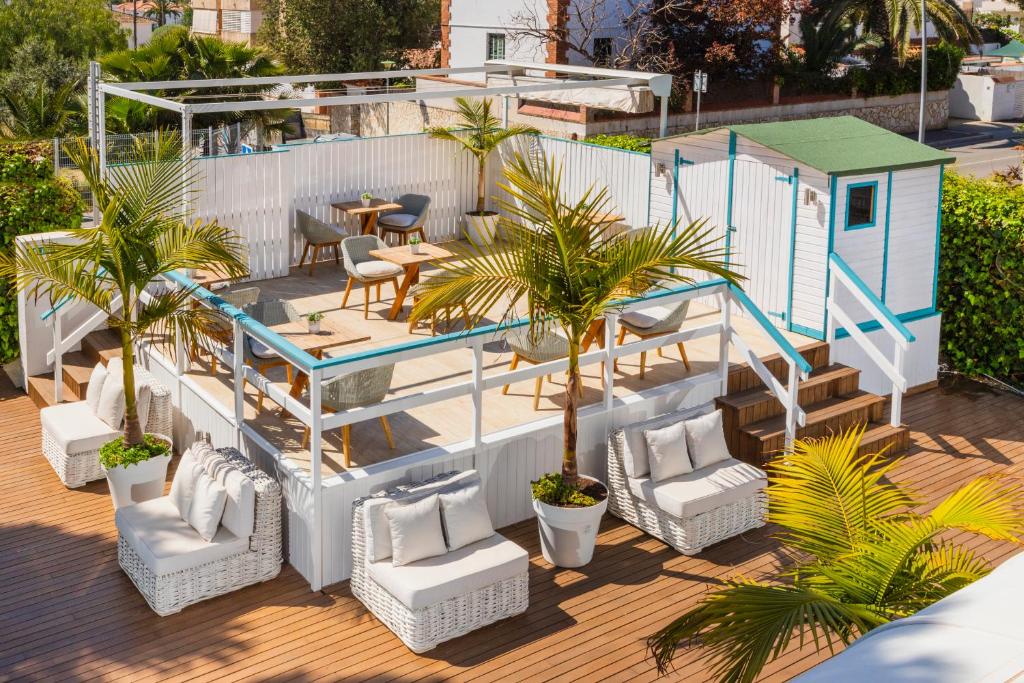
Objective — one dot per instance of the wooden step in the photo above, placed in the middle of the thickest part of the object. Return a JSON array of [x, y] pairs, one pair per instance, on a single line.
[[742, 377], [746, 407], [895, 440], [40, 390], [77, 369], [760, 441], [101, 346]]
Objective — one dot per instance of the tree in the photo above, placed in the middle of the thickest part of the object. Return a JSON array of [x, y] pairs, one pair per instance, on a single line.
[[559, 261], [159, 10], [79, 30], [141, 235], [36, 113], [576, 31], [866, 557]]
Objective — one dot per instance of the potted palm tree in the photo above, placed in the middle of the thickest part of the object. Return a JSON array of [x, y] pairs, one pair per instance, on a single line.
[[140, 236], [865, 557], [479, 133], [561, 263]]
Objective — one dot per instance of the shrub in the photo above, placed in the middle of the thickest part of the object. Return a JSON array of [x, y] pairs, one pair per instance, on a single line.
[[632, 143], [115, 453], [981, 276], [31, 200], [552, 490], [892, 79]]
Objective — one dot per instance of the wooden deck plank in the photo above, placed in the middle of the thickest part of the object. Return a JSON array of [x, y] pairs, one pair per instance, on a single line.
[[68, 613]]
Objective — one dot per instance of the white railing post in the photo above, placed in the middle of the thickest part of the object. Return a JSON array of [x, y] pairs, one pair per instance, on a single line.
[[725, 302], [58, 359], [792, 403], [316, 462], [610, 320], [895, 414], [478, 395], [239, 379]]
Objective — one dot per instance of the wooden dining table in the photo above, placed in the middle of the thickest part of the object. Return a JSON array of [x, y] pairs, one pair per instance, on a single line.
[[367, 214], [410, 263], [315, 343]]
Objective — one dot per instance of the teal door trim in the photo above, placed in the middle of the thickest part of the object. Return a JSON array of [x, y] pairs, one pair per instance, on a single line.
[[885, 239], [795, 182], [728, 206], [938, 239], [833, 190]]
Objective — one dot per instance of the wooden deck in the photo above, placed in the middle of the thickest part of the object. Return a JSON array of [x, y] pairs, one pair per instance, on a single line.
[[68, 613]]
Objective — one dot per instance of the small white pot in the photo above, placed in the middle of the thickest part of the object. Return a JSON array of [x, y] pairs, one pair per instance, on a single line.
[[568, 535], [139, 482], [314, 327], [366, 202], [481, 230], [415, 248]]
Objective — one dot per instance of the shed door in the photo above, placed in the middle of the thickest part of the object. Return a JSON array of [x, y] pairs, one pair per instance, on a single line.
[[762, 218]]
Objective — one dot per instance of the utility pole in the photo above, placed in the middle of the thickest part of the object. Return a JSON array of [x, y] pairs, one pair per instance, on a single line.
[[924, 70], [135, 24]]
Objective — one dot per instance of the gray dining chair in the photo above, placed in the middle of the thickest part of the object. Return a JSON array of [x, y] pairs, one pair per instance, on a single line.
[[219, 327], [257, 354], [356, 390], [405, 221], [318, 235], [654, 322], [365, 269], [548, 347]]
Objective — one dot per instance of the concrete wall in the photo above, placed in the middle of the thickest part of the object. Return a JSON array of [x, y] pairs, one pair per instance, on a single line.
[[988, 97]]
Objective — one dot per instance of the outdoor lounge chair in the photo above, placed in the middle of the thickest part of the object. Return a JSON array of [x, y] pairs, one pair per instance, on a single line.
[[429, 601], [550, 346], [366, 270], [657, 321], [407, 220], [361, 388], [257, 354], [73, 432], [220, 329], [318, 235], [690, 511], [167, 559]]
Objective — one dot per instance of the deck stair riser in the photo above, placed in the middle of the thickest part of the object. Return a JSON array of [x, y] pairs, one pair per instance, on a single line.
[[742, 377], [100, 346]]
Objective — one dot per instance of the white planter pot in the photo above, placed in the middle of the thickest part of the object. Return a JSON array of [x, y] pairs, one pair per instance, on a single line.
[[481, 230], [414, 248], [142, 481], [568, 535], [314, 328], [366, 202]]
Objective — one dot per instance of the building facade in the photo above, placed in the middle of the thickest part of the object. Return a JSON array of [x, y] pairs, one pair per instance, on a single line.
[[234, 20]]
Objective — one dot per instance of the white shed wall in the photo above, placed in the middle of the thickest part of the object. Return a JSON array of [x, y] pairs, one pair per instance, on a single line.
[[921, 362], [910, 279]]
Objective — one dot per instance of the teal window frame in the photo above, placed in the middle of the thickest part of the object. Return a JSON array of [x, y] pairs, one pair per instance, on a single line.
[[493, 41], [873, 184]]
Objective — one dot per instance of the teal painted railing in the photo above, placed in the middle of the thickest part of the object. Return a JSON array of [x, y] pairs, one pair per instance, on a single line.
[[780, 340], [837, 261], [46, 315]]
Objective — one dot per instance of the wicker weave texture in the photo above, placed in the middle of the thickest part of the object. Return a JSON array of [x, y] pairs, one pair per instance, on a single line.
[[424, 629], [170, 593]]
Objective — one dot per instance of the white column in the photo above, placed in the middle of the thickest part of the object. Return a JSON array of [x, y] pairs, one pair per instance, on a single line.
[[663, 124], [791, 404], [101, 126], [186, 153], [316, 462], [896, 409], [610, 320], [239, 379], [725, 302], [478, 394], [58, 359]]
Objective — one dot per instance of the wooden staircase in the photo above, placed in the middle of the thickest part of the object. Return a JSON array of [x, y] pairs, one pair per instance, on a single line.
[[755, 421], [97, 347]]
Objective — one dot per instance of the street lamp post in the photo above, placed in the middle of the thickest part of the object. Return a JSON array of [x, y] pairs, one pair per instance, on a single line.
[[924, 70]]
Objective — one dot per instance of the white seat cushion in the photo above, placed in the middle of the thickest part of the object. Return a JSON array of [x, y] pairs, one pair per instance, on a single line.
[[378, 269], [166, 543], [398, 220], [703, 490], [649, 317], [261, 350], [427, 582], [74, 427]]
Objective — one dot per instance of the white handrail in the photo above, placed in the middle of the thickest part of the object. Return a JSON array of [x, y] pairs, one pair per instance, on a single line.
[[62, 343]]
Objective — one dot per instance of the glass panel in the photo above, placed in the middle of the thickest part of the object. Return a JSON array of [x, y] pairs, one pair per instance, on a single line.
[[860, 210], [495, 46]]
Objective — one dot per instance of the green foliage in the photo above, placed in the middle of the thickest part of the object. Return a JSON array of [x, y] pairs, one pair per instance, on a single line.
[[115, 453], [862, 555], [315, 316], [31, 200], [553, 490], [633, 143], [981, 276], [943, 66], [79, 30]]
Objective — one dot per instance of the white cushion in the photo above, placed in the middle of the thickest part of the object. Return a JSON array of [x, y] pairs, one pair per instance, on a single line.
[[166, 543], [398, 220], [183, 486], [428, 582], [378, 269], [465, 517], [207, 508], [415, 530], [240, 508], [261, 350], [649, 317], [634, 446], [143, 397], [705, 440], [110, 408], [375, 524], [666, 451], [75, 428], [95, 386], [703, 490]]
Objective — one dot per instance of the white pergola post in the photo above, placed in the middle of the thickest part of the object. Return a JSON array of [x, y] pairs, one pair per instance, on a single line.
[[101, 131], [186, 153], [239, 379], [725, 302], [316, 531], [478, 395], [94, 124], [610, 320]]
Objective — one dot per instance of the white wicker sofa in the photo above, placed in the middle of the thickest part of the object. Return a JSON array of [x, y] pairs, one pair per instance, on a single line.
[[73, 433], [432, 600], [690, 511], [173, 566]]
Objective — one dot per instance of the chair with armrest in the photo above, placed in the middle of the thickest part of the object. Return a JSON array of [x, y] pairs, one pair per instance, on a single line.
[[407, 220], [365, 269]]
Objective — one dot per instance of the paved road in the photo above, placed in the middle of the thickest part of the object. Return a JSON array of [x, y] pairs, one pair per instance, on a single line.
[[980, 148]]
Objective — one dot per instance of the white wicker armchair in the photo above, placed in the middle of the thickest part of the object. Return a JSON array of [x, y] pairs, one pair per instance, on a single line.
[[440, 598], [727, 497], [173, 567], [73, 435]]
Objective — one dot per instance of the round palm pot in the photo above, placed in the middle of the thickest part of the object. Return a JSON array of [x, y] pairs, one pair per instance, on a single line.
[[481, 227], [568, 534], [130, 484]]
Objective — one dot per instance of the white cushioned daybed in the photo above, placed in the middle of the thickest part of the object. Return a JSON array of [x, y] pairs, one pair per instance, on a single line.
[[706, 496], [443, 575], [218, 530], [73, 433]]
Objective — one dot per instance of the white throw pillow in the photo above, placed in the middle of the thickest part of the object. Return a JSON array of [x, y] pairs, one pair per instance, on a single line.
[[110, 408], [95, 386], [207, 506], [465, 517], [634, 453], [415, 530], [183, 486], [666, 450], [143, 397], [705, 440]]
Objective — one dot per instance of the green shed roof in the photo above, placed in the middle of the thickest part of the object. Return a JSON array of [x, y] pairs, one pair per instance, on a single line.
[[1014, 49], [839, 145]]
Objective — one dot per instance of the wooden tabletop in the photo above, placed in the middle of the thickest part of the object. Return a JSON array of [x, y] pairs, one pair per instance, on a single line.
[[609, 217], [356, 207], [403, 256], [206, 277], [329, 335]]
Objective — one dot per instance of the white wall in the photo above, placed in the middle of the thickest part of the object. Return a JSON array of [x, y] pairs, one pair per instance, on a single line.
[[910, 278], [971, 97], [921, 362]]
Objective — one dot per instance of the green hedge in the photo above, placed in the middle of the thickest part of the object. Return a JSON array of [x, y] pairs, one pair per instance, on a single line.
[[981, 276], [31, 200], [631, 142]]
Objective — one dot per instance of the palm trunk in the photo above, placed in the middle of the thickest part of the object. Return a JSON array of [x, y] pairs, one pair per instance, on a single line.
[[569, 473], [132, 428], [480, 185]]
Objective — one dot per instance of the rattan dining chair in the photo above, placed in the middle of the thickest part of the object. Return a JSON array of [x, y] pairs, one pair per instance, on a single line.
[[548, 347], [407, 220], [318, 235], [257, 354], [654, 322], [365, 269], [219, 329]]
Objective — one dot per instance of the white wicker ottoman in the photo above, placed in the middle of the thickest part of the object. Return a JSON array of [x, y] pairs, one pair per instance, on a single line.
[[481, 600]]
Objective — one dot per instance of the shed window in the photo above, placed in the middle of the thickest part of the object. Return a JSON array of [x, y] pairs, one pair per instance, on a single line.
[[602, 51], [860, 205], [495, 46]]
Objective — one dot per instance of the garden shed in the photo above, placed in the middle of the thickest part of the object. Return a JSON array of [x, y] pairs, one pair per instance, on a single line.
[[787, 195]]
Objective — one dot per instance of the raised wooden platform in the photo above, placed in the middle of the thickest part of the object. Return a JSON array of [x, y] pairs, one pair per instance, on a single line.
[[68, 613]]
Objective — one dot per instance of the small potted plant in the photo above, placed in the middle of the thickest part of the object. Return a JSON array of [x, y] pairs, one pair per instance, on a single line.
[[366, 198], [313, 320], [414, 244]]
